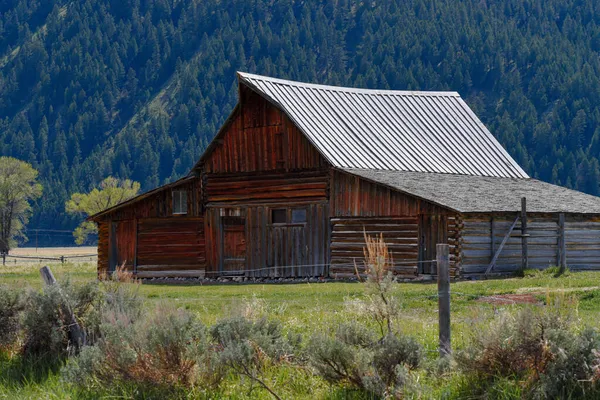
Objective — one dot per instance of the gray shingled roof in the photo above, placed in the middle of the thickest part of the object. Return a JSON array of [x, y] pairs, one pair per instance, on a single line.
[[467, 194], [389, 130]]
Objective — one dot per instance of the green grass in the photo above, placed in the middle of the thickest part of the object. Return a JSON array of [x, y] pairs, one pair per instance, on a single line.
[[307, 308]]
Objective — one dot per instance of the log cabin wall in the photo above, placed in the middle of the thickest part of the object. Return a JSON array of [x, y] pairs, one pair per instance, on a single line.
[[411, 227], [582, 236], [147, 238], [482, 234]]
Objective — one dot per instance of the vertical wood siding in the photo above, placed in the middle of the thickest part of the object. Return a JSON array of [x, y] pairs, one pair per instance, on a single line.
[[122, 244], [259, 137], [357, 197], [270, 250]]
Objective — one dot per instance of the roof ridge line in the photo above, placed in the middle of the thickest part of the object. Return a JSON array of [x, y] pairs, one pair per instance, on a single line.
[[245, 76]]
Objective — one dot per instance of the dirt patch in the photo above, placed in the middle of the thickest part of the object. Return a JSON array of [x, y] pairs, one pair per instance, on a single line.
[[509, 299]]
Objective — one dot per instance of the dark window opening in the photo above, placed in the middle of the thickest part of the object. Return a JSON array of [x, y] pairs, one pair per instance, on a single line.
[[279, 216]]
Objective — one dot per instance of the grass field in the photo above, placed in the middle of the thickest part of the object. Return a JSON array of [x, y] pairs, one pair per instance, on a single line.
[[307, 308]]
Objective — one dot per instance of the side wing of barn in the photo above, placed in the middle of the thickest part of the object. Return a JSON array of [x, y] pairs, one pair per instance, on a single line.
[[156, 234]]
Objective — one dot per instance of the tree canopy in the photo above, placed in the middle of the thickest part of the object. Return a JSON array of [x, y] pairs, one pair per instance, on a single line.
[[112, 191], [18, 187]]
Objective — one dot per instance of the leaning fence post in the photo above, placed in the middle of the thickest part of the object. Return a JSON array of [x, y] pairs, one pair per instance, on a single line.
[[443, 276], [76, 334]]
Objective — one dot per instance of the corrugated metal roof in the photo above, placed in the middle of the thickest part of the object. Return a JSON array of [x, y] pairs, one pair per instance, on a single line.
[[389, 130], [467, 194]]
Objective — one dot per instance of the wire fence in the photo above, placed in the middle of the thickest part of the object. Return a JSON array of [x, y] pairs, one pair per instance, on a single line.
[[8, 258]]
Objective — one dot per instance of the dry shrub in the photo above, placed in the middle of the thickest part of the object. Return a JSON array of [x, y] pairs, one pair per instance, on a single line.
[[378, 302], [543, 348], [46, 318], [355, 357], [248, 347], [164, 348]]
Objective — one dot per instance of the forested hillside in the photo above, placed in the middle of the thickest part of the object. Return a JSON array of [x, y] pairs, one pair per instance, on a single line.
[[137, 88]]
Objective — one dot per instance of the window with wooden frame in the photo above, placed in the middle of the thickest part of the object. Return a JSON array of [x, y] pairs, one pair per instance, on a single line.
[[285, 216], [179, 202]]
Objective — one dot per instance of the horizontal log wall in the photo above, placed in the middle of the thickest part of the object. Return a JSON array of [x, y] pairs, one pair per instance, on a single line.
[[264, 188], [259, 137], [170, 247], [583, 243], [476, 243], [348, 243]]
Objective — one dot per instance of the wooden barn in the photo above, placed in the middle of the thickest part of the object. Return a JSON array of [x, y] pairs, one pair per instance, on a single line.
[[299, 172]]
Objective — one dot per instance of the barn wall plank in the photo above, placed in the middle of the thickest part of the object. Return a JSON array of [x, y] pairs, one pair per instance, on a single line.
[[261, 138]]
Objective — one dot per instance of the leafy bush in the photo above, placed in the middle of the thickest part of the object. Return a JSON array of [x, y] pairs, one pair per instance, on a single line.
[[165, 348], [354, 357], [11, 305]]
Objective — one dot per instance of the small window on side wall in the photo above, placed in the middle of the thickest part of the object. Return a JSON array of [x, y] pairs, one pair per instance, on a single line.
[[298, 216], [179, 202], [279, 216]]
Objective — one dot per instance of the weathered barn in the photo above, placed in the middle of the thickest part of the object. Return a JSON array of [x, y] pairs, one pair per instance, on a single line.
[[299, 172]]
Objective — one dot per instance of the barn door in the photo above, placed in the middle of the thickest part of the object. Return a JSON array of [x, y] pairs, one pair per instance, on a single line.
[[433, 229], [122, 245], [287, 244], [234, 245]]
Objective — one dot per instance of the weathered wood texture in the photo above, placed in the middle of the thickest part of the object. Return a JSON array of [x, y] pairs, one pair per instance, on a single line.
[[352, 196], [170, 247], [248, 188], [582, 240], [160, 204], [122, 238], [476, 242], [259, 137], [348, 243], [119, 231], [103, 248], [264, 248]]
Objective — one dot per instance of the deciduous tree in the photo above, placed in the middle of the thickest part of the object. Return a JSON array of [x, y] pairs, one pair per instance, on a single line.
[[18, 187], [112, 191]]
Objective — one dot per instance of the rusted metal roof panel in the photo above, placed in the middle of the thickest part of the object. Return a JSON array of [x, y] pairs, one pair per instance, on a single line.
[[474, 194], [389, 130]]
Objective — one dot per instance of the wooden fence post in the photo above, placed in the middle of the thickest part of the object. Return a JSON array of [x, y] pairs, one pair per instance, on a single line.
[[443, 276], [562, 243], [524, 235], [76, 334]]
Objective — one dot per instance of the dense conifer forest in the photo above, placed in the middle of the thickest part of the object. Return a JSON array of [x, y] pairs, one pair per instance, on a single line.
[[137, 88]]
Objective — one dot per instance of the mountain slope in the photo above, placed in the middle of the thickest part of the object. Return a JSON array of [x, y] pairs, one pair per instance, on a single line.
[[137, 88]]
